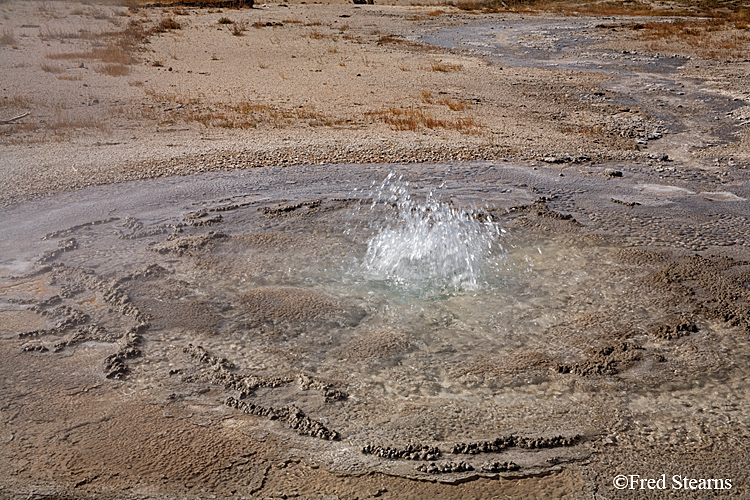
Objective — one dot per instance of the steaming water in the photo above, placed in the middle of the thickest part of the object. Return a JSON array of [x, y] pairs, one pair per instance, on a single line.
[[428, 247]]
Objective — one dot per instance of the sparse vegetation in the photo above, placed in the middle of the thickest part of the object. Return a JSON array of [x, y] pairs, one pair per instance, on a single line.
[[99, 14], [166, 24], [17, 101], [416, 119], [51, 68], [317, 35], [453, 104], [67, 122], [385, 39], [48, 33], [709, 38], [239, 27], [224, 20], [8, 37], [114, 69], [111, 54], [245, 115], [445, 67]]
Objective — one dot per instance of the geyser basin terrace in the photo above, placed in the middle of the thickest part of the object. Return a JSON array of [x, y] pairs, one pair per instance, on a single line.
[[187, 332]]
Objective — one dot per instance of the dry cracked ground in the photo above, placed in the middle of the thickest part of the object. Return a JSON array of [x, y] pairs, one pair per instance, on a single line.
[[203, 333]]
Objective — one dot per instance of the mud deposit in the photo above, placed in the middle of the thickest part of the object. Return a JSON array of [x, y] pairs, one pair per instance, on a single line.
[[217, 335]]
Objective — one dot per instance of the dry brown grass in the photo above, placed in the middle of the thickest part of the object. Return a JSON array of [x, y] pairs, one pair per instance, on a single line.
[[48, 33], [417, 119], [453, 104], [72, 78], [709, 38], [166, 24], [391, 39], [317, 35], [114, 69], [59, 128], [8, 37], [121, 49], [401, 42], [52, 68], [111, 54], [99, 14], [17, 101], [239, 27], [244, 115], [445, 67], [65, 122]]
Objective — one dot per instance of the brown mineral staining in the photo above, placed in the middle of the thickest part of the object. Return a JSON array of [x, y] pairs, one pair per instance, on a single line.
[[512, 441], [291, 415], [678, 328], [114, 365], [288, 304], [188, 245], [445, 468], [409, 452], [500, 467], [295, 209], [374, 345], [220, 372], [605, 361]]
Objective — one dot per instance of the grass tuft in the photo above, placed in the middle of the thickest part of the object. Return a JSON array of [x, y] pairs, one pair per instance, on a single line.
[[111, 54], [244, 115], [166, 24], [239, 27], [114, 69], [8, 37], [417, 119], [51, 68], [445, 67]]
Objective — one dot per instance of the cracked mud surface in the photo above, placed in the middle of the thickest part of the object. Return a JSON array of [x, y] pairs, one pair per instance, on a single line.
[[157, 357]]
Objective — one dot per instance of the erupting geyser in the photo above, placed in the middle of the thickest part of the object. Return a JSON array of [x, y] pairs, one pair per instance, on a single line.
[[428, 246]]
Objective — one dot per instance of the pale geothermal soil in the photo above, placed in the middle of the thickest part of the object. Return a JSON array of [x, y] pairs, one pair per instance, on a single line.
[[316, 86]]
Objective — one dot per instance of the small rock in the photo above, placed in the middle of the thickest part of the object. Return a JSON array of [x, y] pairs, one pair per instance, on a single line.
[[611, 172]]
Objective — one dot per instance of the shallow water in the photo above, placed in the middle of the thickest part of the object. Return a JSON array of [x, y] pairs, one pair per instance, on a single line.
[[685, 111], [281, 285]]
